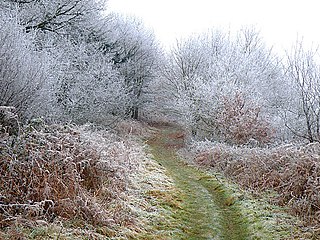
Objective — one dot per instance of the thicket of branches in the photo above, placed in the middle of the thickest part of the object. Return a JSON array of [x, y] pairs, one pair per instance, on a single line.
[[204, 72], [23, 71], [65, 61]]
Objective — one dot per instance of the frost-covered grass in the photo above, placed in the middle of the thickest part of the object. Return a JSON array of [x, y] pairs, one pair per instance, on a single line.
[[265, 220], [291, 172], [207, 205], [199, 206], [74, 182]]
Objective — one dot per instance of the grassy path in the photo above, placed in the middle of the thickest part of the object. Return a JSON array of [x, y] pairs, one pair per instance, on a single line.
[[206, 211]]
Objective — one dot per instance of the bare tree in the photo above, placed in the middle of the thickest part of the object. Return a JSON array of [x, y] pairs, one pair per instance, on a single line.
[[54, 16], [201, 72], [135, 53], [303, 115]]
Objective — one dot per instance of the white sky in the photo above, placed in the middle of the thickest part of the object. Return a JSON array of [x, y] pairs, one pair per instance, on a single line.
[[279, 21]]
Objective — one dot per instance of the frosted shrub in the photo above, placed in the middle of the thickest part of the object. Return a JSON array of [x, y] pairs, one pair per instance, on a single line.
[[88, 89], [22, 70], [238, 121], [62, 171]]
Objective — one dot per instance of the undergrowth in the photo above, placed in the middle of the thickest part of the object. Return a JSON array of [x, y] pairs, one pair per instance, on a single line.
[[76, 181], [293, 172]]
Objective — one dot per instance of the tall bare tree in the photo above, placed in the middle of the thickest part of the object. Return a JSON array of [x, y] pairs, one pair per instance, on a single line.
[[303, 115], [135, 53]]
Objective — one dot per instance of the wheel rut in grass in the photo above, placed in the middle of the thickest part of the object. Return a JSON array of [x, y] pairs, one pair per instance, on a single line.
[[206, 210]]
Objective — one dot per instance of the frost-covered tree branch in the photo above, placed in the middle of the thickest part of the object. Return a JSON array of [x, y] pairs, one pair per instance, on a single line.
[[135, 54], [303, 72], [22, 70], [54, 15]]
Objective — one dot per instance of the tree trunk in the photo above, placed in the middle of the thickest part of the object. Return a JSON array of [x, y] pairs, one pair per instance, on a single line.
[[135, 112]]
